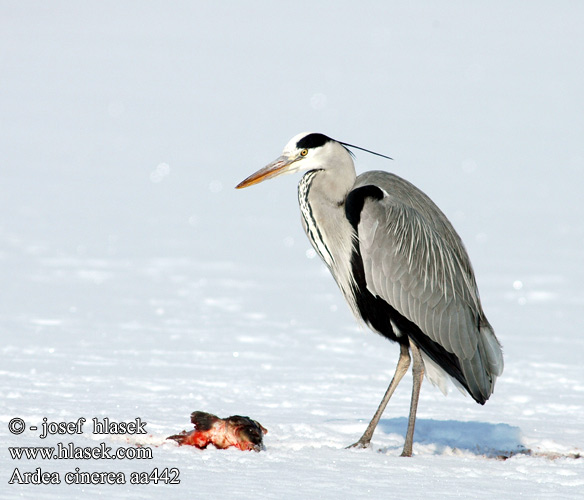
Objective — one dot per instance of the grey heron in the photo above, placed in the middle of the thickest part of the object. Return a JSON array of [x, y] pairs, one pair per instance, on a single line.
[[400, 265]]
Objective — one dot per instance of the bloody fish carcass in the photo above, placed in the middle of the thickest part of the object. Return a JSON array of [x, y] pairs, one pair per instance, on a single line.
[[237, 431]]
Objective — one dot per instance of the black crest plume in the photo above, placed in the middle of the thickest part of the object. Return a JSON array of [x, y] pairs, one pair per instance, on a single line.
[[363, 149], [316, 140]]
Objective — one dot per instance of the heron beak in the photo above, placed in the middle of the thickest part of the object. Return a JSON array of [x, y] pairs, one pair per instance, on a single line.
[[277, 167]]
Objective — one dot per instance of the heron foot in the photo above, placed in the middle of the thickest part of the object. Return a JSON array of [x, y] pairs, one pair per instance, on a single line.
[[362, 443]]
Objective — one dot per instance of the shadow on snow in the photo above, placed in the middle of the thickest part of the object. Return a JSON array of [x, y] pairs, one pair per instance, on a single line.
[[480, 438]]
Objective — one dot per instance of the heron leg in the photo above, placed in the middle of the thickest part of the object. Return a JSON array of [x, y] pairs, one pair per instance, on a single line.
[[400, 370], [418, 375]]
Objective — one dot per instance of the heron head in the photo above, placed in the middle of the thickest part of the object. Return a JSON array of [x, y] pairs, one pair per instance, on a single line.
[[306, 151]]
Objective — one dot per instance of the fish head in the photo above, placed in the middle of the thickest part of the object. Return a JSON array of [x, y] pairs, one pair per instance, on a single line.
[[247, 433]]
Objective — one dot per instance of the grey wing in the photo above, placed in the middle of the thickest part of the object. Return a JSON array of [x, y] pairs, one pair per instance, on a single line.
[[415, 261]]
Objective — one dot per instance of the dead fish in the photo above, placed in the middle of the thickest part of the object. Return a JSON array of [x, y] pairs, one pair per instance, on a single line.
[[241, 432]]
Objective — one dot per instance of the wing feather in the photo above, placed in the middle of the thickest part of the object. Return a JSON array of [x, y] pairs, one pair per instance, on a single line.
[[414, 260]]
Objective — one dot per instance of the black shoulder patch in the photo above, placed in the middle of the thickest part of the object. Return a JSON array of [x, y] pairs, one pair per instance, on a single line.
[[355, 201], [312, 141]]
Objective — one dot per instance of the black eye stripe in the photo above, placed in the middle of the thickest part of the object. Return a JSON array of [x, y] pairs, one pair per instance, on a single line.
[[312, 141]]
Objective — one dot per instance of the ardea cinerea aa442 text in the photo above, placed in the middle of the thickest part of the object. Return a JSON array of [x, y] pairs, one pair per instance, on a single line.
[[401, 266]]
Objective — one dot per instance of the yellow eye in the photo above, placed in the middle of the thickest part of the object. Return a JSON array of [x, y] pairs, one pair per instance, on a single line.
[[304, 152]]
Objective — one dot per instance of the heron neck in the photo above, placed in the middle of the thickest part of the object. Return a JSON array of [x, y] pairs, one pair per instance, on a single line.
[[333, 184], [322, 204]]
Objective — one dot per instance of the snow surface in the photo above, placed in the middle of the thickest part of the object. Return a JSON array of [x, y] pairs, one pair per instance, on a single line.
[[136, 282]]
